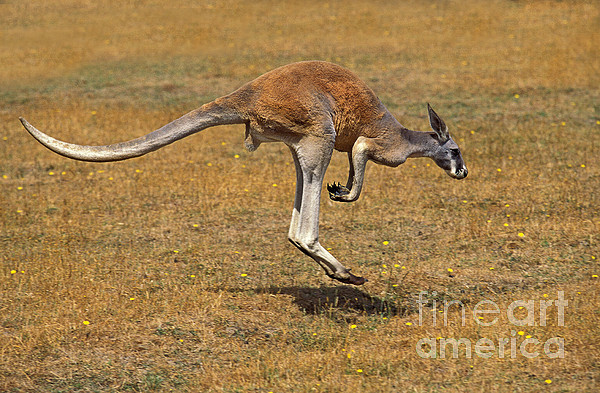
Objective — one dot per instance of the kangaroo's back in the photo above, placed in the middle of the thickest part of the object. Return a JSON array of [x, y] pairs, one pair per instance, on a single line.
[[301, 95]]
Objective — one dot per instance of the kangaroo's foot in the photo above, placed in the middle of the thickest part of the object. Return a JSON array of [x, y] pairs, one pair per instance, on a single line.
[[350, 279], [337, 192]]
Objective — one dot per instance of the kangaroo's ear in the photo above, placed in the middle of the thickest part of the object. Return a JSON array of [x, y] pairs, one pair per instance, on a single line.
[[438, 125]]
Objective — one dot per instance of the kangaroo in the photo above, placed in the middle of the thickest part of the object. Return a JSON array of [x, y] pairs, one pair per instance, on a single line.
[[313, 107]]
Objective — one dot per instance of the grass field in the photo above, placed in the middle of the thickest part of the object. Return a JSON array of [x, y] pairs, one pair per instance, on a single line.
[[172, 272]]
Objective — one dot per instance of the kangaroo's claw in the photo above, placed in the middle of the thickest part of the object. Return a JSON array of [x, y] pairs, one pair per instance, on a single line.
[[337, 192], [351, 279]]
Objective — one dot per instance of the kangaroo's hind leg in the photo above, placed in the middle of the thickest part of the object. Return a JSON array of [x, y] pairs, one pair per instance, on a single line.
[[311, 156]]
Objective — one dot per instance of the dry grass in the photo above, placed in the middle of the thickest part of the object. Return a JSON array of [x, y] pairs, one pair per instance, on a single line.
[[178, 260]]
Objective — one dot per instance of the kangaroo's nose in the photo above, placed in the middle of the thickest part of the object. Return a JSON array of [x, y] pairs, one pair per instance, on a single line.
[[462, 173]]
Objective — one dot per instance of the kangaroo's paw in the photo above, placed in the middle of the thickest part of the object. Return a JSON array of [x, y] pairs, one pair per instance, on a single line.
[[351, 279], [337, 192]]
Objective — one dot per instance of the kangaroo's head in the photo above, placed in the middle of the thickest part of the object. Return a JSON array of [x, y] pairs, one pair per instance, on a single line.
[[446, 152]]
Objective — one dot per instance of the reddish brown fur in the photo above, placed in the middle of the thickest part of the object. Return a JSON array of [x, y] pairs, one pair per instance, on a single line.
[[305, 97]]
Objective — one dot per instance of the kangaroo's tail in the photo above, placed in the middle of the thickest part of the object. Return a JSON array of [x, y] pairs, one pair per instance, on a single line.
[[209, 115]]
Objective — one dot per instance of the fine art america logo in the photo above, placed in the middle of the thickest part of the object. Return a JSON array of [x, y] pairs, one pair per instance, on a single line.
[[441, 348]]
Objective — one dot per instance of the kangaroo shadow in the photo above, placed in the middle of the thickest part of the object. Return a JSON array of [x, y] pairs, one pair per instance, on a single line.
[[325, 299]]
